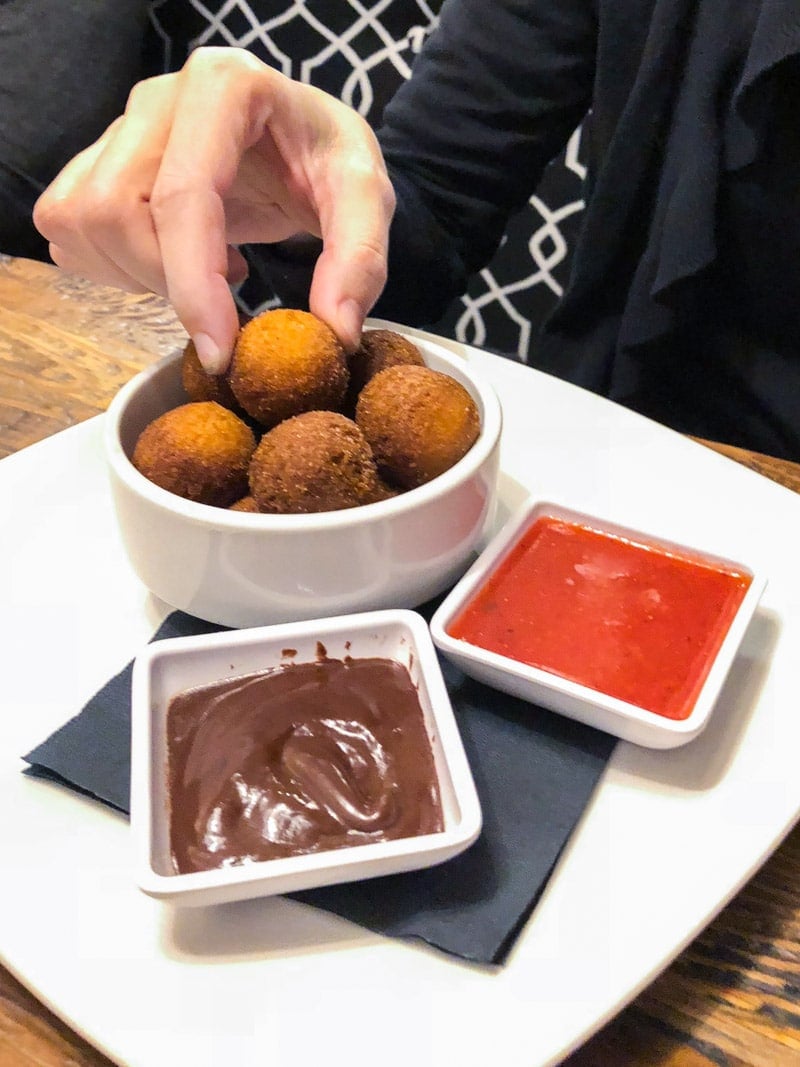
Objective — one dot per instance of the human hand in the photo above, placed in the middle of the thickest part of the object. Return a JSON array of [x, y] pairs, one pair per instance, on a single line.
[[227, 151]]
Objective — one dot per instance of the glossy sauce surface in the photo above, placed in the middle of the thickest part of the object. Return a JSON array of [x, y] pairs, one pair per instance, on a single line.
[[623, 617], [300, 758]]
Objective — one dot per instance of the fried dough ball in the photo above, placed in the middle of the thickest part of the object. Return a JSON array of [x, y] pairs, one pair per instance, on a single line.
[[418, 422], [202, 386], [317, 461], [378, 350], [386, 491], [200, 451], [286, 362], [245, 504]]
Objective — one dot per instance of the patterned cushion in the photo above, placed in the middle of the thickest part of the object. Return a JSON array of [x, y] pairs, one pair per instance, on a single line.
[[361, 51]]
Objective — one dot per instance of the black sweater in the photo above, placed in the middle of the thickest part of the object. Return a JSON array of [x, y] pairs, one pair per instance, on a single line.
[[684, 298]]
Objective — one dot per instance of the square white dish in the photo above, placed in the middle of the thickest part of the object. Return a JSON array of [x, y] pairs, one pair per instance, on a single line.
[[616, 716], [166, 668]]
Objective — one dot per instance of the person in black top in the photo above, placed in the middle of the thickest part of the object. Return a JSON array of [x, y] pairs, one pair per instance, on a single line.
[[682, 301]]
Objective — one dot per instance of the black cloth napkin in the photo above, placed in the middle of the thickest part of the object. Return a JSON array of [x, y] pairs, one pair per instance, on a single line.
[[535, 772]]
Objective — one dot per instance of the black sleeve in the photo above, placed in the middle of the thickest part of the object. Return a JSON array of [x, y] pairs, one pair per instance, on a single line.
[[65, 74], [494, 96]]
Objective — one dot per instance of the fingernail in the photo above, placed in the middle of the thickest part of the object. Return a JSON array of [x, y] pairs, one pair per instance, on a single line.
[[209, 353], [351, 320]]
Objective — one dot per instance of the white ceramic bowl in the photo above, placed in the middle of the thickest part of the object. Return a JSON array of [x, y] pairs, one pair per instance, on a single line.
[[241, 569], [615, 716], [168, 667]]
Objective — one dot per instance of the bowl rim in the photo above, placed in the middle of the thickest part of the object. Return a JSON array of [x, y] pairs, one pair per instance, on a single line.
[[224, 519]]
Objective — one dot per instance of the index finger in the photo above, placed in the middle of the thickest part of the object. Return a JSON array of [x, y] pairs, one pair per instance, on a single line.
[[199, 165], [315, 166]]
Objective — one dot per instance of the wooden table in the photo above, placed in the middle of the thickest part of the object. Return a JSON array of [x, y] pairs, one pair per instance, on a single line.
[[732, 998]]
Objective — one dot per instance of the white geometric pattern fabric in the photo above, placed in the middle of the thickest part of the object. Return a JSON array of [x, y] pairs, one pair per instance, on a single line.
[[361, 51]]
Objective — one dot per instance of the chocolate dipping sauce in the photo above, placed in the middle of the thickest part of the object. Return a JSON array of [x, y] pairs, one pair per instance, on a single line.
[[299, 758]]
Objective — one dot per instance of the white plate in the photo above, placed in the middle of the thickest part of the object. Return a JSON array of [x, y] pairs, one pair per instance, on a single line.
[[669, 835]]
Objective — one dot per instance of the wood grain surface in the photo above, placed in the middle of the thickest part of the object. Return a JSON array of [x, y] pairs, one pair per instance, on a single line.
[[731, 999]]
